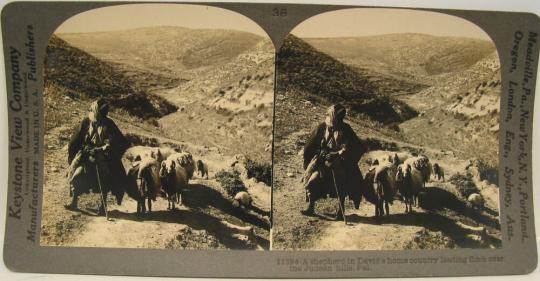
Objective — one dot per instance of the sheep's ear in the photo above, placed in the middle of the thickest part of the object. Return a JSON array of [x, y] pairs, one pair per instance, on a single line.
[[159, 155], [173, 165], [162, 169]]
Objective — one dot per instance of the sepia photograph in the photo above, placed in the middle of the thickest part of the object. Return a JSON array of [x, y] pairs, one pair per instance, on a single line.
[[269, 140], [386, 133], [158, 129]]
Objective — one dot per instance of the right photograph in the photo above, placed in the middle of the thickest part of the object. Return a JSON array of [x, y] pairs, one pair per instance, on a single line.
[[386, 133]]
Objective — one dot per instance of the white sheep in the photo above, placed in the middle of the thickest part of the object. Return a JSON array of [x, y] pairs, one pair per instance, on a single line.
[[138, 152], [438, 171], [416, 182], [185, 159], [476, 200], [173, 179], [421, 163], [404, 185], [143, 176], [202, 168], [242, 199], [384, 183]]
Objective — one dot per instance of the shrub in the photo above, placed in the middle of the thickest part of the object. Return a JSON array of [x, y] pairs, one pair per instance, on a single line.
[[487, 171], [259, 171], [231, 182], [464, 184]]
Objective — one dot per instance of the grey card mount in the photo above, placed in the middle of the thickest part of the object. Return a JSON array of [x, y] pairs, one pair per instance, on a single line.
[[268, 140]]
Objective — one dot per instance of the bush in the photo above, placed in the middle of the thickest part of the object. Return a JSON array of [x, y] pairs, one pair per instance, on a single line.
[[231, 182], [486, 171], [464, 184], [261, 172]]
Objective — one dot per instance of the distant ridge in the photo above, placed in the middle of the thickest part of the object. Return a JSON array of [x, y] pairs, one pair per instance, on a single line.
[[303, 68], [410, 55], [86, 76], [166, 50]]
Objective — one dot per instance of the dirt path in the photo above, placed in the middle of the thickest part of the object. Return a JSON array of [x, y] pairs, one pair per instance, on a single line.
[[126, 230], [362, 232], [203, 219], [164, 228]]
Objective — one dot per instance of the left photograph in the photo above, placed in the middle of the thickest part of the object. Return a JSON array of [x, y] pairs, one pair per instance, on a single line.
[[158, 130]]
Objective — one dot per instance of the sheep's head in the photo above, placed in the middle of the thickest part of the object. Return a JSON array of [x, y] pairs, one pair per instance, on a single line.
[[236, 203], [185, 158], [167, 168], [400, 175], [162, 170], [396, 159], [149, 170], [435, 168], [408, 172], [158, 155], [404, 171]]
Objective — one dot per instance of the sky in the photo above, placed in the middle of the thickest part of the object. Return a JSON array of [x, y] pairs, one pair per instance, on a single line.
[[374, 21], [343, 23], [124, 17]]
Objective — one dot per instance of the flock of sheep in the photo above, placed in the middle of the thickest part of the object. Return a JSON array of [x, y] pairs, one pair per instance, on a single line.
[[154, 172], [407, 176]]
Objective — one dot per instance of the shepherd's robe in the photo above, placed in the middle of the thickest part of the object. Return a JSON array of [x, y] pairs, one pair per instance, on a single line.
[[350, 180], [116, 175]]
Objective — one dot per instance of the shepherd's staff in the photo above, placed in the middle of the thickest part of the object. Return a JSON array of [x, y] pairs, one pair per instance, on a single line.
[[101, 192], [341, 208]]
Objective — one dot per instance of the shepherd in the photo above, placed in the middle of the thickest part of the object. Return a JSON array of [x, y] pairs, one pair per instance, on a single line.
[[331, 157], [94, 157]]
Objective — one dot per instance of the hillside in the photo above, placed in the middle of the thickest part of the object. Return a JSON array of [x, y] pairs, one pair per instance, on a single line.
[[176, 52], [85, 77], [462, 112], [230, 107], [418, 57], [460, 97], [303, 68]]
